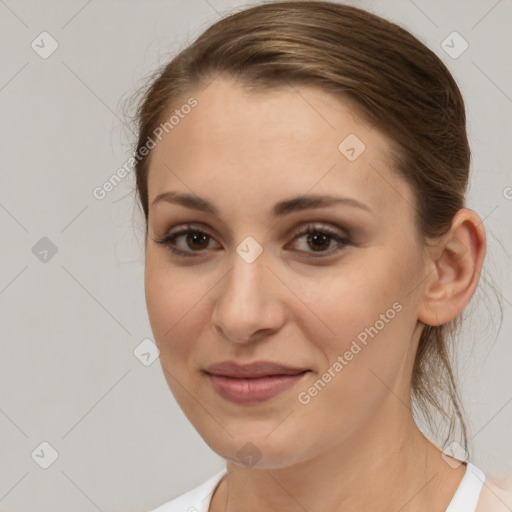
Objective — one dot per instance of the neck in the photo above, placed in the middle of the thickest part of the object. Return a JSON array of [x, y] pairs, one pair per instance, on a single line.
[[389, 462]]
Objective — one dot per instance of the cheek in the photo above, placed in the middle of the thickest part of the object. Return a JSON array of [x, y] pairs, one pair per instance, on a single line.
[[365, 314], [352, 297], [179, 305], [170, 304], [363, 359], [172, 300], [159, 291]]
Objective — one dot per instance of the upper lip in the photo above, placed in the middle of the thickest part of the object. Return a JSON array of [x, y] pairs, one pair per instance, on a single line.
[[252, 370]]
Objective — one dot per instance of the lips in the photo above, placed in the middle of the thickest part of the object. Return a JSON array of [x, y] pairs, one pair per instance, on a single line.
[[252, 383], [252, 370]]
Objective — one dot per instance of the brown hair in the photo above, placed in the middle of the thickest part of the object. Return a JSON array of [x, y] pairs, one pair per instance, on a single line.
[[399, 85]]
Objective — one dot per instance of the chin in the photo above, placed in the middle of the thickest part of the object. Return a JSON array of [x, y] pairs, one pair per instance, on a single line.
[[256, 451]]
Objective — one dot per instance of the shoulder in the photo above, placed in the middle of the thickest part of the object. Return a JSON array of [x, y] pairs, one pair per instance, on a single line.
[[496, 495], [195, 500]]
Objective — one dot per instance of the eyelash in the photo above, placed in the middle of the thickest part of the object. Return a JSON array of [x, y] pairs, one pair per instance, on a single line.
[[168, 239]]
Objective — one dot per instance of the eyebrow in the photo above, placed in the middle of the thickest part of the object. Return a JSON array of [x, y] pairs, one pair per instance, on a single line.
[[282, 208]]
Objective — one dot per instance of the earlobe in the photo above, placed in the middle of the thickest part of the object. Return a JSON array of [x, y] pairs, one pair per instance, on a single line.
[[457, 261]]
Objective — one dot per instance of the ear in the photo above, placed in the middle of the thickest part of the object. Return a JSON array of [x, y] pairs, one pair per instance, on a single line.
[[454, 264]]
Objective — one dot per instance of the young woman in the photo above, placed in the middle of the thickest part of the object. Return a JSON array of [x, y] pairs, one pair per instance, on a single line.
[[302, 169]]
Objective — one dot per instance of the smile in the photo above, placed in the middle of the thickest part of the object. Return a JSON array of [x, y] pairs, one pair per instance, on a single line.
[[253, 390]]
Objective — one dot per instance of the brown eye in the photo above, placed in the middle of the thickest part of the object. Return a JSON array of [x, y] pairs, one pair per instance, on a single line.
[[196, 240], [319, 239], [186, 241]]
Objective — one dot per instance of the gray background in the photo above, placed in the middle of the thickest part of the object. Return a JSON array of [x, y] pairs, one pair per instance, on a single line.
[[69, 325]]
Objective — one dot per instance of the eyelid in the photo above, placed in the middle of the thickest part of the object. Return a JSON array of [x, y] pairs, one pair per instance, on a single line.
[[321, 227], [181, 230], [342, 236]]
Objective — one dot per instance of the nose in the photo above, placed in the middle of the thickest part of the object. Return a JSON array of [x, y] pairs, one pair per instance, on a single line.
[[248, 305]]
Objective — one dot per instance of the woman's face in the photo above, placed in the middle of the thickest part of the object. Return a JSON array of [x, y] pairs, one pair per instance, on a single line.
[[341, 302]]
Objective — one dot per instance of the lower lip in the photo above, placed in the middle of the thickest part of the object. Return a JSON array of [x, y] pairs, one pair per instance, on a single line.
[[247, 391]]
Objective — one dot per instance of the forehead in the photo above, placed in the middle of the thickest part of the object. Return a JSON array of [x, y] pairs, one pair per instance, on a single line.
[[266, 145]]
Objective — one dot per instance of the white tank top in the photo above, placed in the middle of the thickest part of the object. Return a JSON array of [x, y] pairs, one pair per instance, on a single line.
[[467, 494], [198, 499]]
